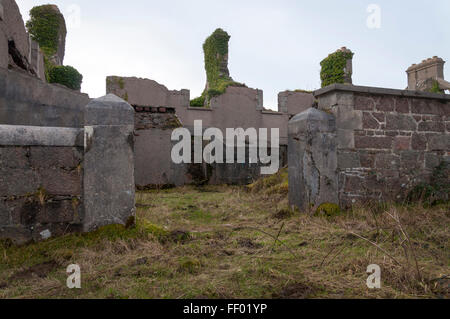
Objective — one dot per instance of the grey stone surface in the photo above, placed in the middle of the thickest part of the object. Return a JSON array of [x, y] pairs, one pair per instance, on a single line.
[[312, 156], [26, 100], [13, 27], [16, 135], [382, 91], [109, 184], [109, 110]]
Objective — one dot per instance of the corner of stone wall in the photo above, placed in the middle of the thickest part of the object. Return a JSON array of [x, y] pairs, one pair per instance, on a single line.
[[109, 186], [312, 156]]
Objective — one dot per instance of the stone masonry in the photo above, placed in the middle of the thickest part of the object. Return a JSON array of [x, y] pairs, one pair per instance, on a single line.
[[387, 141], [17, 50], [237, 107]]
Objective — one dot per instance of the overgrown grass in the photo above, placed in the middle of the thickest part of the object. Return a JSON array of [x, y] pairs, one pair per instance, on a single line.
[[228, 242]]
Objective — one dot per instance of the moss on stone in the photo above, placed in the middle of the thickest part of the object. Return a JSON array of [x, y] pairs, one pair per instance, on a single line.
[[436, 88], [46, 26], [215, 50], [328, 209], [333, 67]]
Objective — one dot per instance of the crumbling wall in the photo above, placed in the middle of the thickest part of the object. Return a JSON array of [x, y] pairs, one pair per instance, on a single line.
[[24, 100], [153, 164], [238, 107], [64, 166], [41, 182], [17, 50], [388, 141]]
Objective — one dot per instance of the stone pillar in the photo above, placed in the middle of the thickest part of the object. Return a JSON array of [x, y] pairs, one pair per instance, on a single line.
[[312, 156], [109, 187], [421, 76]]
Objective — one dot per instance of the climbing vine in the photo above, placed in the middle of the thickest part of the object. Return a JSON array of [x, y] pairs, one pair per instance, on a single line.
[[333, 68], [436, 88], [215, 50], [44, 26]]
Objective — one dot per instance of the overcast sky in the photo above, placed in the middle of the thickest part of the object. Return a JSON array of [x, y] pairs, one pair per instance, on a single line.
[[274, 46]]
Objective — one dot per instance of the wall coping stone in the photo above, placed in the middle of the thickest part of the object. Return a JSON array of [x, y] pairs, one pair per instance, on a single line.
[[16, 135], [384, 91], [109, 110]]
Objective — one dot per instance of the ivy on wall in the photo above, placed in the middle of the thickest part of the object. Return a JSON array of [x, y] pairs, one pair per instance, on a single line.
[[215, 50], [65, 75], [436, 88], [333, 68], [46, 26]]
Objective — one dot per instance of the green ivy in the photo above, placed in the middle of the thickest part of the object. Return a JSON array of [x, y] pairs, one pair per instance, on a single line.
[[198, 102], [44, 26], [333, 68], [215, 49], [435, 88], [65, 75]]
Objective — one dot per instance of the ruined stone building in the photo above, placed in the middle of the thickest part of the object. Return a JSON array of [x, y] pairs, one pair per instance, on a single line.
[[82, 158], [54, 178]]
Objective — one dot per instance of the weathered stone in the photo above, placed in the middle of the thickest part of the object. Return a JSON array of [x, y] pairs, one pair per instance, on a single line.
[[432, 126], [440, 143], [402, 105], [368, 142], [26, 100], [364, 103], [348, 160], [400, 122], [12, 182], [387, 161], [14, 30], [312, 153], [419, 142], [411, 160], [381, 117], [428, 107], [109, 140], [55, 157], [369, 122], [15, 135], [57, 211], [14, 157], [4, 214], [386, 104], [432, 160], [402, 143], [61, 182]]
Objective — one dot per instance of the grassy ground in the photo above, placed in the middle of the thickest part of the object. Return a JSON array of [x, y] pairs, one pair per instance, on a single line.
[[221, 242]]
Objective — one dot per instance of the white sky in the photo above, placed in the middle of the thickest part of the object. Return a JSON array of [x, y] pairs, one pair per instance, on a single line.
[[274, 46]]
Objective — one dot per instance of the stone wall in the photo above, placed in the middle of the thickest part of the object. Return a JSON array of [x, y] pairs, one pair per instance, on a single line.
[[237, 107], [26, 100], [17, 50], [41, 182], [387, 142], [160, 110], [64, 166]]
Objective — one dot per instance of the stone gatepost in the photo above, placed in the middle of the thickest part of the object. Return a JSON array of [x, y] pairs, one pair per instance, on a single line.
[[312, 153], [109, 187]]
